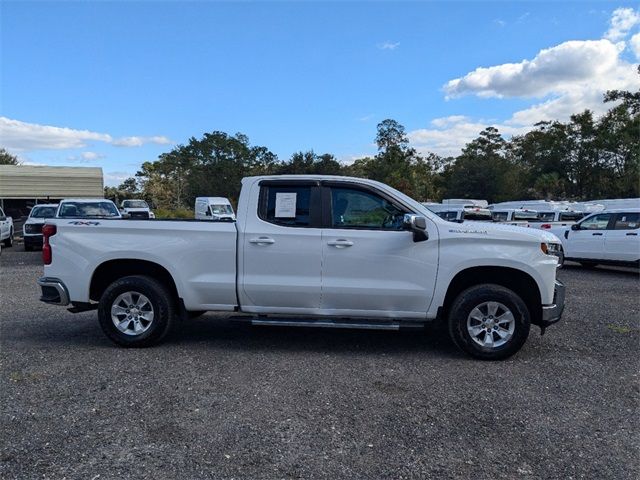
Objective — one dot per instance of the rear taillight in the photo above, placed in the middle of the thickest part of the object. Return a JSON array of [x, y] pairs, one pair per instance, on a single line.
[[47, 254], [545, 226]]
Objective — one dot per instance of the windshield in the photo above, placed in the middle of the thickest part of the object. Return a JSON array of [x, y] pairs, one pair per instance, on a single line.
[[88, 209], [134, 204], [571, 216], [483, 216], [525, 215], [221, 210], [43, 212]]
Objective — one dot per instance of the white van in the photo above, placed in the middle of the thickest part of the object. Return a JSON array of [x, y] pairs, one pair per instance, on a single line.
[[214, 208]]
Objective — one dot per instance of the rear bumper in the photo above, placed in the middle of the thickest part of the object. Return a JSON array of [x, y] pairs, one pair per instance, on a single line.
[[53, 291], [552, 313]]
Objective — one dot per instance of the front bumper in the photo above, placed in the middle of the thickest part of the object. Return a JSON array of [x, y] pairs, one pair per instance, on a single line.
[[32, 240], [53, 291], [552, 313]]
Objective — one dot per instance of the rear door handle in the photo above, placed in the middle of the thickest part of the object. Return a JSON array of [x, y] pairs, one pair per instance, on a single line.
[[262, 241], [340, 243], [596, 234], [634, 234]]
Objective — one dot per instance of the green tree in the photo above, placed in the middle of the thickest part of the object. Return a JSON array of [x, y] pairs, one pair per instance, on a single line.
[[7, 158]]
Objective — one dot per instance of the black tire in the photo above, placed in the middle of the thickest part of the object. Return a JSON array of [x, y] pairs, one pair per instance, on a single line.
[[589, 264], [479, 295], [8, 242], [162, 304]]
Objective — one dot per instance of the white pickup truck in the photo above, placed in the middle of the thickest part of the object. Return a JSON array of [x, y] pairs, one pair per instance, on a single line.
[[312, 251]]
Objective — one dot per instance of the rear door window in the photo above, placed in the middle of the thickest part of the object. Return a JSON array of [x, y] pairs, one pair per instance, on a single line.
[[627, 221], [290, 205]]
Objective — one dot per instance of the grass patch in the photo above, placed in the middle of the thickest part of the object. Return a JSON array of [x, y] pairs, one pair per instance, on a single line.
[[619, 329]]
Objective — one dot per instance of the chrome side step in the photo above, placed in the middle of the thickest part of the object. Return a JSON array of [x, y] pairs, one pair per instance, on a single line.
[[281, 322]]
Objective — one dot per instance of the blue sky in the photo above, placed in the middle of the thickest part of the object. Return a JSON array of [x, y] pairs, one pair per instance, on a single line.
[[113, 84]]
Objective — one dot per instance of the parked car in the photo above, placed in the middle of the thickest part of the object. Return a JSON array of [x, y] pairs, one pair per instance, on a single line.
[[514, 216], [88, 208], [609, 237], [32, 228], [311, 251], [214, 208], [457, 213], [136, 209], [554, 219], [6, 229]]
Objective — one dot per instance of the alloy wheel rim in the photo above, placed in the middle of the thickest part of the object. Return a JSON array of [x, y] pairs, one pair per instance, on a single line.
[[132, 313], [491, 324]]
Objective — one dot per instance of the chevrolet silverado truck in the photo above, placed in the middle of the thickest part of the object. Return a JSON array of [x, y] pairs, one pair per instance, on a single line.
[[310, 251]]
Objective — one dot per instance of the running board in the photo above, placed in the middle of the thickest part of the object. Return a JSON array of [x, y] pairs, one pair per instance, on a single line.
[[281, 322]]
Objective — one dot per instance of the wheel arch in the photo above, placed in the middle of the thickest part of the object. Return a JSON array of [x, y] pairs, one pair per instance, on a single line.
[[520, 282], [111, 270]]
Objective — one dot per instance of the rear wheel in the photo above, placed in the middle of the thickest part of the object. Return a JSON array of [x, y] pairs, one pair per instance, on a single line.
[[136, 311], [489, 322]]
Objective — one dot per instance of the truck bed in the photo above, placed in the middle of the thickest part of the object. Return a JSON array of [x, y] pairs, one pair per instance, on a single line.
[[199, 255]]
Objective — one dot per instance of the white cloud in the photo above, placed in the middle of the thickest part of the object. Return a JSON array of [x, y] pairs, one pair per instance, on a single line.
[[634, 44], [449, 135], [86, 157], [139, 141], [113, 179], [499, 22], [388, 45], [555, 69], [563, 80], [19, 135], [23, 136], [622, 20]]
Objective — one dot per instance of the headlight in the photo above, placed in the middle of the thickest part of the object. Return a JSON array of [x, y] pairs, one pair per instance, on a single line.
[[152, 215], [551, 248]]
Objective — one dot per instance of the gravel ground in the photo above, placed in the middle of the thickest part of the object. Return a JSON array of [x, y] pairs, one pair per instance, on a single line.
[[223, 400]]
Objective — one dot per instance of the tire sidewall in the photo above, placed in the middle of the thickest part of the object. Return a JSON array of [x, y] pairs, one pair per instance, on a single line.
[[474, 296], [160, 301]]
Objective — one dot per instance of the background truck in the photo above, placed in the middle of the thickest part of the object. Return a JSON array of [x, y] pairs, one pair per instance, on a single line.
[[32, 228], [136, 209], [313, 251], [6, 229], [214, 208]]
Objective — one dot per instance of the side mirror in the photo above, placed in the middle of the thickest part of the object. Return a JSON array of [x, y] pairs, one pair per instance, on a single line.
[[575, 226], [417, 225], [207, 213]]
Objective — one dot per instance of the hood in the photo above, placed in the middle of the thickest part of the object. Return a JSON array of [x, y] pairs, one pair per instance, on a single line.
[[500, 231], [136, 210], [35, 220]]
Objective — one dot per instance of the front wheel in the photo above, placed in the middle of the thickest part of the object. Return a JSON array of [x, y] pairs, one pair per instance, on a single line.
[[8, 242], [489, 322], [136, 311]]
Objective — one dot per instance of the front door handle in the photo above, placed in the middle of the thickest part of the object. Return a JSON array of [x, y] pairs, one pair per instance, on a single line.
[[634, 234], [262, 241], [599, 234], [340, 243]]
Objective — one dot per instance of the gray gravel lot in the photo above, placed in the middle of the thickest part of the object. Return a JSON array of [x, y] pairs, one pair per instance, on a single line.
[[223, 400]]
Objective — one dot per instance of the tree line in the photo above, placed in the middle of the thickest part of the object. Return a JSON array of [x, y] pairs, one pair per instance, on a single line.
[[581, 159], [584, 158]]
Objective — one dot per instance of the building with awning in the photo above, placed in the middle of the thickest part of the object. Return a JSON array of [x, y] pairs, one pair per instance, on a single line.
[[22, 186]]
